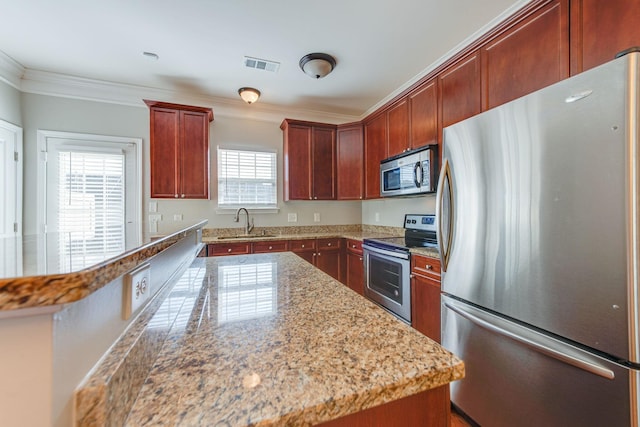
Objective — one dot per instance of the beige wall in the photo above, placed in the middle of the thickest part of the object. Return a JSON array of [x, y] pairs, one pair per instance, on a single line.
[[10, 104], [390, 212], [71, 115]]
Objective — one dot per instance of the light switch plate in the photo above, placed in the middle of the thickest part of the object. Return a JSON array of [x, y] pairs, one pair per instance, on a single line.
[[137, 290], [177, 217], [292, 217], [153, 206]]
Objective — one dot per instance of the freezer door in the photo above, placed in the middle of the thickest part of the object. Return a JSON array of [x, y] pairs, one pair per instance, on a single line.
[[537, 215], [518, 377]]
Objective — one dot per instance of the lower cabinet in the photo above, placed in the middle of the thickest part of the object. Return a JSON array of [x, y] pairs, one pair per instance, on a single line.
[[425, 295], [355, 266], [328, 256], [305, 249], [219, 249]]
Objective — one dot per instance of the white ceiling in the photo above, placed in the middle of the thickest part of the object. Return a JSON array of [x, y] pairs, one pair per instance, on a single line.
[[380, 46]]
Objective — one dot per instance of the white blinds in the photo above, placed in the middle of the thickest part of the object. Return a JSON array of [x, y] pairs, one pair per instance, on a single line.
[[246, 178], [91, 207]]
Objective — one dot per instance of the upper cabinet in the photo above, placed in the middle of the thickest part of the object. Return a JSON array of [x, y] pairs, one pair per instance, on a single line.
[[375, 150], [601, 29], [460, 89], [179, 150], [398, 128], [309, 160], [423, 119], [527, 57], [350, 162]]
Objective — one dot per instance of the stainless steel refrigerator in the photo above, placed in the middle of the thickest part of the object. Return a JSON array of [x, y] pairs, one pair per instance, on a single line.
[[538, 222]]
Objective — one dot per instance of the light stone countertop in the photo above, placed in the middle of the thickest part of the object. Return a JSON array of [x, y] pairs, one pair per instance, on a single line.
[[43, 275], [269, 339]]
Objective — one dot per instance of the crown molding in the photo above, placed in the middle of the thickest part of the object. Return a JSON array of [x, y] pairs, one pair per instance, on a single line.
[[450, 54], [65, 86], [11, 72]]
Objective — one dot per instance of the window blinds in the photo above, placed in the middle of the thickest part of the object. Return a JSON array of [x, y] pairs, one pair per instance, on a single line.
[[246, 178], [91, 207]]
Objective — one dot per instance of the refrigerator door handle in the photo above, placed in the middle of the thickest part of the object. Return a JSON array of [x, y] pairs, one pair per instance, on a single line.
[[444, 233], [534, 340]]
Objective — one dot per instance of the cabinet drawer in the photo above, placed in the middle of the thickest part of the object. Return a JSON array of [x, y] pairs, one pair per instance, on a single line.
[[425, 266], [228, 249], [354, 246], [328, 244], [302, 245], [274, 246]]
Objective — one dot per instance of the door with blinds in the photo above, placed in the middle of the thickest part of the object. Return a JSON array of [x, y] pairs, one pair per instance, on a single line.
[[88, 208]]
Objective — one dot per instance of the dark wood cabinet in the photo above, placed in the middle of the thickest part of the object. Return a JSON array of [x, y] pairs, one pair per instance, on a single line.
[[423, 104], [179, 150], [269, 246], [460, 89], [375, 150], [527, 57], [601, 29], [328, 256], [398, 128], [305, 249], [354, 266], [425, 295], [309, 160], [220, 249], [350, 170]]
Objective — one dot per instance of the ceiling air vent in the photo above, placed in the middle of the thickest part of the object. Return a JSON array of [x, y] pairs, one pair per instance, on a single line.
[[261, 64]]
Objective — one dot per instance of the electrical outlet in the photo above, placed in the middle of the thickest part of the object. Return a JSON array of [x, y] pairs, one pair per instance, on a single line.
[[177, 217], [153, 206], [292, 217], [377, 216], [316, 217], [137, 290], [154, 219]]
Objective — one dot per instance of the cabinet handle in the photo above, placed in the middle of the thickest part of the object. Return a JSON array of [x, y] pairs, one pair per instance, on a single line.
[[315, 198], [175, 195], [353, 246], [270, 247], [329, 244], [429, 267], [302, 246], [182, 196], [360, 258], [319, 254], [229, 250]]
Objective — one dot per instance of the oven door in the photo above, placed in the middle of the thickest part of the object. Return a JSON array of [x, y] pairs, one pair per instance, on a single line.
[[387, 280]]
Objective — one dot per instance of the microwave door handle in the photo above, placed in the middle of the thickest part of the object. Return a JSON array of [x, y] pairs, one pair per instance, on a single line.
[[418, 182]]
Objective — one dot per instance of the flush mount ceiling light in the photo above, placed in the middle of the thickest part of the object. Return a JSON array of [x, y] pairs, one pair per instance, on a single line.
[[317, 65], [249, 94]]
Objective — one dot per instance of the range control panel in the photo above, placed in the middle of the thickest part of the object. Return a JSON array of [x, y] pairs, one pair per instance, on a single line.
[[420, 222]]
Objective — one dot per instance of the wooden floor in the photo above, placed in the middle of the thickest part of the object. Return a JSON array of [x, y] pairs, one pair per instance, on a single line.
[[457, 420]]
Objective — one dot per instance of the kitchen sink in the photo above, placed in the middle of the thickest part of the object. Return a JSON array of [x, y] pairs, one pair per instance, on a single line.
[[245, 236]]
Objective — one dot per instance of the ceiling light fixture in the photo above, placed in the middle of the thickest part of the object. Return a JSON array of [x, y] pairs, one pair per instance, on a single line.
[[317, 65], [249, 94]]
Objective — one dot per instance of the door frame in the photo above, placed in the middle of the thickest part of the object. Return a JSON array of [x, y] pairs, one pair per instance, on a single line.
[[17, 170]]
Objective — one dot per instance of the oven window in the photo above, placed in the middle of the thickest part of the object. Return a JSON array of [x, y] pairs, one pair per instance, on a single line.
[[385, 278]]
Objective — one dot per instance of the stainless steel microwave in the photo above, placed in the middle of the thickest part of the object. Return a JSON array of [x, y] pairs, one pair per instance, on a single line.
[[412, 172]]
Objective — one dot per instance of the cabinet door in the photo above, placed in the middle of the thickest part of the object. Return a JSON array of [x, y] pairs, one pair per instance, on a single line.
[[398, 125], [355, 272], [194, 155], [460, 90], [324, 163], [600, 29], [424, 115], [375, 150], [297, 162], [329, 262], [350, 161], [305, 249], [531, 55], [218, 249], [165, 135], [425, 306]]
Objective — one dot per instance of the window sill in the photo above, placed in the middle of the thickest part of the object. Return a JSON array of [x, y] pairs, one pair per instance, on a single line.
[[252, 210]]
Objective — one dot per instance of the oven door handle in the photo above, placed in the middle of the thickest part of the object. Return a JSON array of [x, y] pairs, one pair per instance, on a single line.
[[385, 252]]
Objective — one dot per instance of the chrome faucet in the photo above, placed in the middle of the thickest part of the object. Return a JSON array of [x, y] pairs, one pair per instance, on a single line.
[[248, 227]]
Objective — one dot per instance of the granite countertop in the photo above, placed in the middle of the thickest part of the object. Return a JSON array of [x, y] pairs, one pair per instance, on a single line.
[[268, 339], [39, 272]]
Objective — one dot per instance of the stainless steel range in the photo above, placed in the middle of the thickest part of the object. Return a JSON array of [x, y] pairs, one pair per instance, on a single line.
[[387, 264]]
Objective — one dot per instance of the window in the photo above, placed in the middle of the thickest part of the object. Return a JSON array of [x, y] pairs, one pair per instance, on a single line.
[[247, 179], [89, 196]]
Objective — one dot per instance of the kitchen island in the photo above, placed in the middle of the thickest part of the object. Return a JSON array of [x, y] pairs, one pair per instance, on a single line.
[[268, 339]]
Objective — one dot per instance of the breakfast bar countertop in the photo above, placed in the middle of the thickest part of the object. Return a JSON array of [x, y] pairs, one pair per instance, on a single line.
[[268, 339]]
